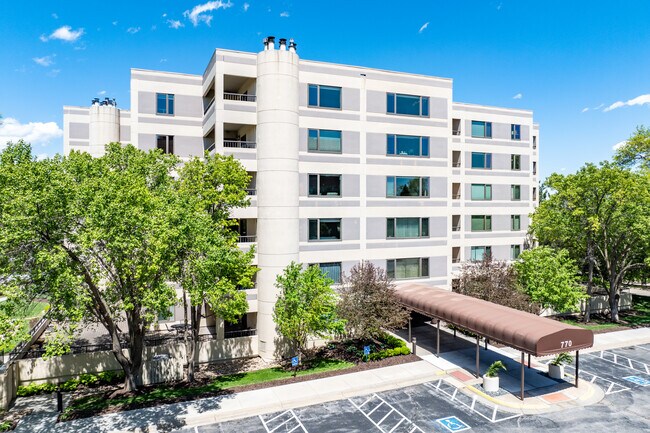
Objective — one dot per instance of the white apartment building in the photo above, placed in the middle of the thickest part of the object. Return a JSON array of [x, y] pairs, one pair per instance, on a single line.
[[347, 163]]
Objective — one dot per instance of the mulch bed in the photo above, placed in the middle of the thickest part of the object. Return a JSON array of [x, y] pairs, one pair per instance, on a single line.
[[362, 366]]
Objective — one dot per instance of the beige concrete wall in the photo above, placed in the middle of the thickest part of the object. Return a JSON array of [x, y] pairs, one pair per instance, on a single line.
[[600, 303], [8, 386], [231, 348]]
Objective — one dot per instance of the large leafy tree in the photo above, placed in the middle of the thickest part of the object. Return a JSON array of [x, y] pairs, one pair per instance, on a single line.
[[306, 306], [368, 303], [212, 269], [636, 150], [598, 214], [550, 277]]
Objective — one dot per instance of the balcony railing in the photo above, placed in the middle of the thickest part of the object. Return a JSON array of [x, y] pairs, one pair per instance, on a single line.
[[455, 228], [250, 191], [239, 97], [247, 239], [239, 144], [242, 333], [455, 132], [455, 259], [455, 196], [455, 164]]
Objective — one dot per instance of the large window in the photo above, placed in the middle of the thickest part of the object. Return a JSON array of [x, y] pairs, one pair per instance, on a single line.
[[481, 223], [331, 270], [515, 222], [481, 191], [407, 227], [407, 145], [165, 103], [479, 253], [515, 192], [324, 96], [397, 186], [165, 143], [325, 229], [481, 160], [515, 132], [325, 184], [411, 105], [515, 162], [324, 140], [481, 129], [515, 251], [401, 269]]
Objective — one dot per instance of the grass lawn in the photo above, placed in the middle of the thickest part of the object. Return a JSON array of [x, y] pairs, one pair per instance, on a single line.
[[640, 315], [99, 402], [593, 326]]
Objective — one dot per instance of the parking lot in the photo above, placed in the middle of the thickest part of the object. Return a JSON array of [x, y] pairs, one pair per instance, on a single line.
[[624, 374]]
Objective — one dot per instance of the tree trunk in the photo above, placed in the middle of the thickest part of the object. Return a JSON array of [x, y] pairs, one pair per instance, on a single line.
[[195, 317], [613, 299], [590, 280]]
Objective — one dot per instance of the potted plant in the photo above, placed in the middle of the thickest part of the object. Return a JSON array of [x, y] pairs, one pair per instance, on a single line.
[[556, 366], [491, 377]]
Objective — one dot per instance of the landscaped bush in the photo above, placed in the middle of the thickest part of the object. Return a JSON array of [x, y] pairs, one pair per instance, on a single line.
[[395, 345], [86, 379]]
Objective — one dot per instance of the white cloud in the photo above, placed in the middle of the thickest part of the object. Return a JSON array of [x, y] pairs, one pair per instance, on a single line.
[[245, 7], [175, 24], [424, 27], [619, 145], [584, 110], [518, 96], [32, 132], [284, 14], [599, 107], [163, 60], [45, 60], [55, 16], [66, 34], [639, 100], [199, 14], [43, 38], [133, 30], [164, 15], [101, 92]]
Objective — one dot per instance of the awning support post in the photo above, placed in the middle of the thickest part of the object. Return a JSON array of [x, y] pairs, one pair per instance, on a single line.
[[486, 343], [577, 366], [529, 360], [454, 332], [522, 376], [409, 327], [478, 370], [438, 340]]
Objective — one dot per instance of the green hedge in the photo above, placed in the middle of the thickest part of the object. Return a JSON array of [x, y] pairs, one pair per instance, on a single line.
[[88, 380], [396, 345]]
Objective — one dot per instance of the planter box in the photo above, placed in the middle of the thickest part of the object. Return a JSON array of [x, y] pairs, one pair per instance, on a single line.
[[556, 371], [491, 384]]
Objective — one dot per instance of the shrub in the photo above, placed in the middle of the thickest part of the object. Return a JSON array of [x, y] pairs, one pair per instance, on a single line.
[[493, 370], [562, 358], [86, 379]]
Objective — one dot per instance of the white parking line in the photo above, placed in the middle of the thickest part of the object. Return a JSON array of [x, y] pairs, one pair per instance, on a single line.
[[614, 358], [292, 418], [392, 410], [604, 383]]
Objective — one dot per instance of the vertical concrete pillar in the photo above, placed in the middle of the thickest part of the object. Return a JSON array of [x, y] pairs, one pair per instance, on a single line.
[[104, 127], [277, 181]]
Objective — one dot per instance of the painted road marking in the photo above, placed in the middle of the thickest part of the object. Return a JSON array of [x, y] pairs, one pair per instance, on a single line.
[[609, 386], [487, 411], [288, 419], [638, 380], [409, 425], [623, 361], [453, 424]]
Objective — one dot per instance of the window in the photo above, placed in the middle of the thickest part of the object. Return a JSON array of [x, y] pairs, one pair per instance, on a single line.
[[407, 104], [401, 269], [481, 223], [515, 192], [165, 103], [167, 315], [324, 96], [397, 186], [165, 143], [534, 194], [534, 142], [481, 129], [407, 145], [481, 160], [324, 140], [515, 222], [534, 167], [407, 227], [481, 191], [515, 132], [331, 270], [515, 251], [515, 162], [325, 185], [479, 253], [325, 229]]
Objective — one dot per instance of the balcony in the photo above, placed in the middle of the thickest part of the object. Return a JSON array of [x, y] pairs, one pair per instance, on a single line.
[[239, 144], [455, 127], [239, 97], [455, 191], [249, 239], [455, 223], [247, 230], [208, 106], [455, 158], [455, 254], [240, 333]]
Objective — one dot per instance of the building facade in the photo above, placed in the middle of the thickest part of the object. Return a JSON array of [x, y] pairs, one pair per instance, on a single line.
[[347, 163]]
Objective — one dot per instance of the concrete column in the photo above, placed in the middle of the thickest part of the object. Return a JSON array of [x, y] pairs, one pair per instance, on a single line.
[[277, 182], [104, 127]]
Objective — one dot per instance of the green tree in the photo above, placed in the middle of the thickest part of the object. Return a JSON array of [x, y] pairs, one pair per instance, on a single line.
[[636, 150], [368, 303], [97, 237], [599, 215], [550, 277], [213, 269], [306, 306]]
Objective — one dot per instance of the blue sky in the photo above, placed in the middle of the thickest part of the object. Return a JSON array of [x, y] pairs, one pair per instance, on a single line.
[[582, 66]]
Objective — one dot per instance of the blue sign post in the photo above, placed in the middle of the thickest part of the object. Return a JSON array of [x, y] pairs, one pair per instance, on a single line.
[[453, 424], [366, 350], [295, 361]]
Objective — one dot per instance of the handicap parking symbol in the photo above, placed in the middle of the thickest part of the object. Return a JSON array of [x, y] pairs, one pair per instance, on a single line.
[[638, 380], [453, 424], [295, 361]]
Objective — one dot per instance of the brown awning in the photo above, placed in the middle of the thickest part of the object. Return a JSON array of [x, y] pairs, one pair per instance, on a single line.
[[527, 332]]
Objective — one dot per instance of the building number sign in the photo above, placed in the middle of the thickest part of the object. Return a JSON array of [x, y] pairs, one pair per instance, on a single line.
[[565, 344]]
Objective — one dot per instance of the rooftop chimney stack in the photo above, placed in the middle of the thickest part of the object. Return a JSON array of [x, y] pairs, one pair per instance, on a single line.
[[283, 45], [266, 44], [271, 41], [292, 46]]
